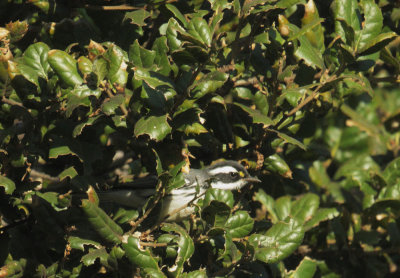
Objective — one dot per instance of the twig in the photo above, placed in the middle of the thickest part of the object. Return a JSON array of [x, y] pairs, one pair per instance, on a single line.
[[11, 102], [36, 174], [112, 8], [146, 214], [251, 81], [226, 68], [175, 211], [310, 97], [153, 244]]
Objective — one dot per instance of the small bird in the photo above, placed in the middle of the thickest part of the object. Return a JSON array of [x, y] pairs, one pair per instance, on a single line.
[[226, 175]]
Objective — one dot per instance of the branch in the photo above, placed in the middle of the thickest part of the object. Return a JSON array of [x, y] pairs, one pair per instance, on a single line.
[[11, 102], [112, 8], [153, 244], [146, 214], [310, 97]]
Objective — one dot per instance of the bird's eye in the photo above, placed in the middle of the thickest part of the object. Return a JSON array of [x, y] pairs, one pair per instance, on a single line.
[[234, 174]]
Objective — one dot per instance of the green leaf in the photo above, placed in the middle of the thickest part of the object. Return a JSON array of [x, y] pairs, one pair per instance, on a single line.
[[55, 152], [185, 248], [377, 43], [79, 243], [231, 253], [321, 179], [102, 223], [281, 240], [305, 29], [100, 68], [14, 269], [9, 185], [140, 257], [239, 225], [83, 91], [153, 79], [290, 140], [390, 192], [156, 127], [116, 254], [137, 17], [116, 58], [161, 57], [172, 34], [392, 172], [155, 98], [311, 55], [216, 214], [283, 206], [276, 164], [177, 178], [177, 14], [261, 101], [109, 107], [322, 214], [268, 202], [209, 84], [315, 34], [188, 122], [140, 56], [123, 216], [79, 128], [35, 56], [346, 10], [68, 173], [220, 195], [73, 102], [85, 65], [372, 25], [306, 269], [65, 67], [93, 254], [18, 30], [34, 63], [256, 116], [199, 28], [303, 209]]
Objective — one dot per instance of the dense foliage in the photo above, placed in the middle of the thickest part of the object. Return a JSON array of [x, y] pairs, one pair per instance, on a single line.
[[95, 94]]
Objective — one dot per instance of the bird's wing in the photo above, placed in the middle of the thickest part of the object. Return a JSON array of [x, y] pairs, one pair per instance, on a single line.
[[133, 194], [134, 198]]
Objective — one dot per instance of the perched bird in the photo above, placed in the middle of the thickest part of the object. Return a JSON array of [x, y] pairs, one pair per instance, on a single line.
[[226, 175]]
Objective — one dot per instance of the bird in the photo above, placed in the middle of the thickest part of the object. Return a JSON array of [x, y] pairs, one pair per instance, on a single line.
[[225, 175]]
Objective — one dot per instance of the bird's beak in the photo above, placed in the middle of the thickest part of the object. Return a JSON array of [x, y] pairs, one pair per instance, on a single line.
[[252, 179]]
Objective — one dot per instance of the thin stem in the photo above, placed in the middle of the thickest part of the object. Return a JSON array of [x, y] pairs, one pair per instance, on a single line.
[[310, 97], [146, 214]]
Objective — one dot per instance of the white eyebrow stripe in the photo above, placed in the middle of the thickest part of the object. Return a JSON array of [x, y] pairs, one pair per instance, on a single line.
[[229, 186], [222, 170]]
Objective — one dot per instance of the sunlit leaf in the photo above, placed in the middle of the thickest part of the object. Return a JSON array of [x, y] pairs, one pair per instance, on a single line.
[[278, 242], [102, 223], [240, 224], [185, 248], [156, 127], [7, 184], [65, 67]]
